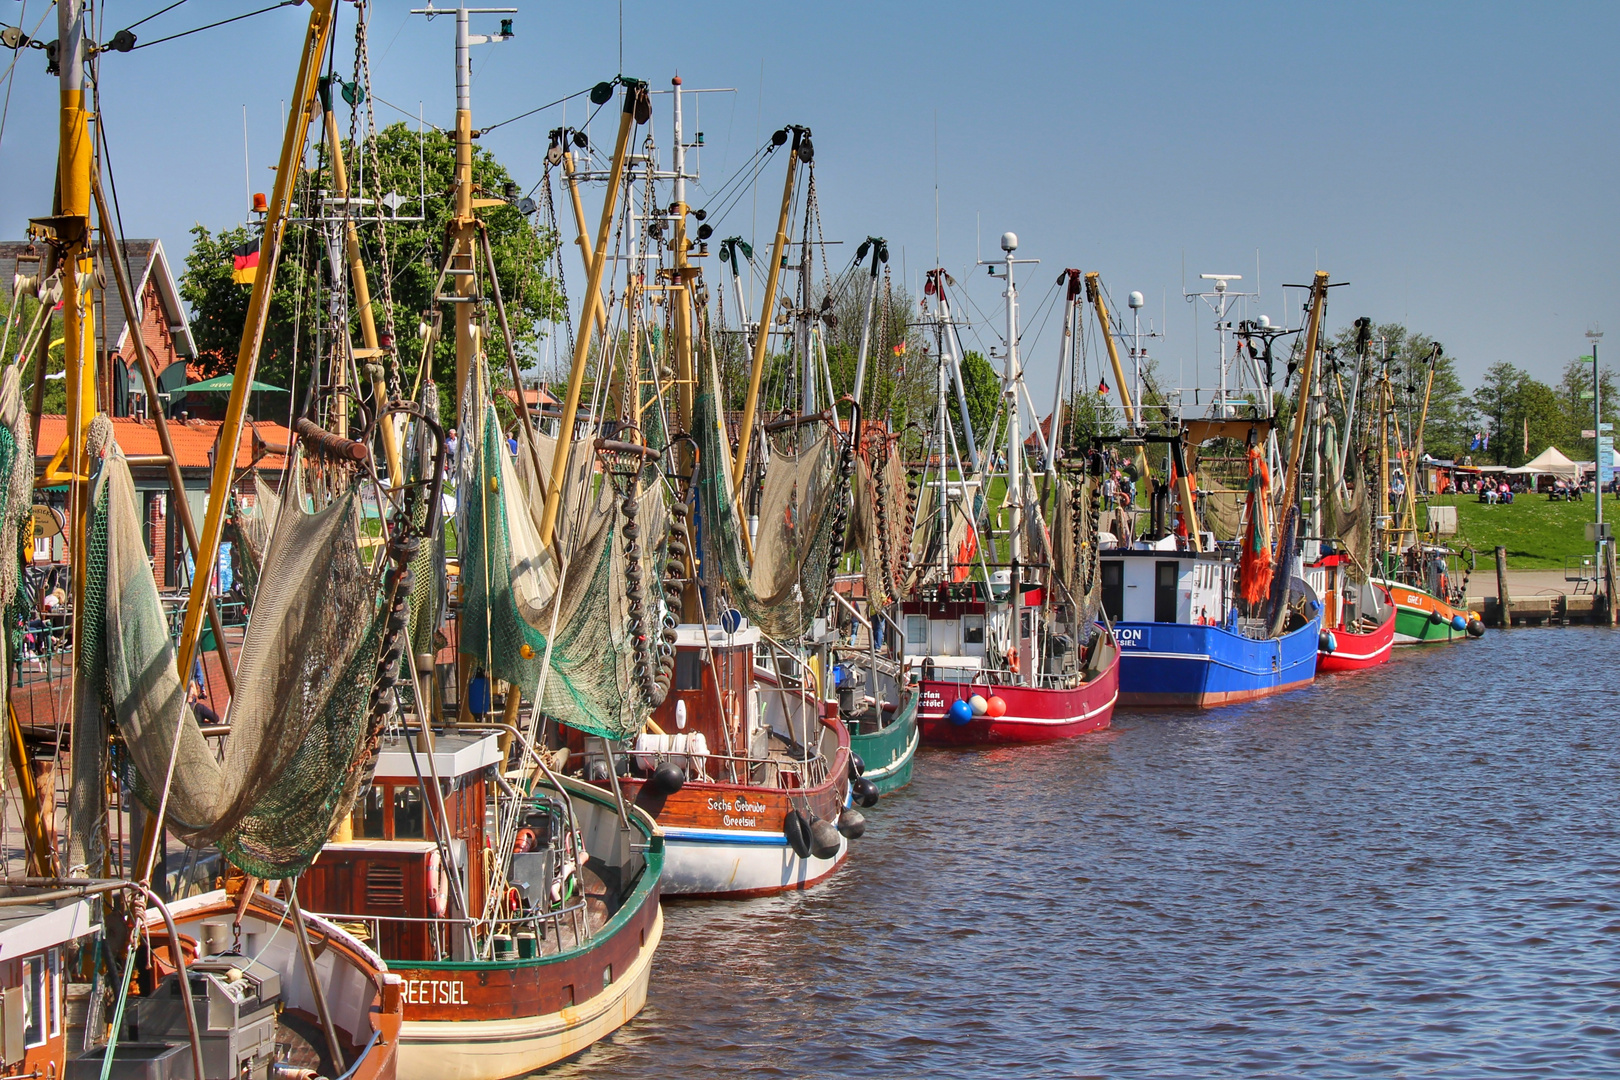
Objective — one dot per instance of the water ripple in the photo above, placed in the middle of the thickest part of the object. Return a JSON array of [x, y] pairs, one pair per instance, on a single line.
[[1411, 872]]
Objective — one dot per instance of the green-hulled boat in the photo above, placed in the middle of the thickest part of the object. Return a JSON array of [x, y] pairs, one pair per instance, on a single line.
[[1422, 619], [886, 740]]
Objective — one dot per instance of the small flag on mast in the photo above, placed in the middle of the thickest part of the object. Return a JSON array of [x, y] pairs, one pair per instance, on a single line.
[[246, 263]]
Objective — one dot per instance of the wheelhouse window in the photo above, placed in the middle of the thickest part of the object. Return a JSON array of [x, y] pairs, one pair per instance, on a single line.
[[408, 814], [916, 630], [688, 670], [35, 1001], [973, 629]]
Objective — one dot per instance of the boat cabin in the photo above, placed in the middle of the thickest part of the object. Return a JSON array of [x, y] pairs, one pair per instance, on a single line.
[[388, 862], [720, 704], [32, 940], [1148, 585]]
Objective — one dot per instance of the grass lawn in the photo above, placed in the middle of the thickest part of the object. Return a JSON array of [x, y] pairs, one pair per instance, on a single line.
[[1538, 534]]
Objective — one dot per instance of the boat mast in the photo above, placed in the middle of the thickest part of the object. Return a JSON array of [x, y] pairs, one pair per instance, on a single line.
[[801, 149], [880, 253], [635, 103], [1015, 462], [955, 340]]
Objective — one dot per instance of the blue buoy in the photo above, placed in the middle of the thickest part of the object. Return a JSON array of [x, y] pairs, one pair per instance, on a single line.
[[1327, 643], [1459, 623], [961, 712]]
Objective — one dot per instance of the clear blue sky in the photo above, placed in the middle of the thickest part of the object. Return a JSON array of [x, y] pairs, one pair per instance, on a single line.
[[1456, 163]]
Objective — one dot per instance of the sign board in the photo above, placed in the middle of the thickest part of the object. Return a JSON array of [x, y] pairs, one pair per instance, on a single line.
[[1443, 520], [46, 522], [1597, 530], [1606, 460]]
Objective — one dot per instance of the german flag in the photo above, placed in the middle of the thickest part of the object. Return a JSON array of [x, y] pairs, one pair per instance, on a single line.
[[246, 259]]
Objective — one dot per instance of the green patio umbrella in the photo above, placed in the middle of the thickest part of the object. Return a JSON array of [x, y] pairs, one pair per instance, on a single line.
[[222, 385]]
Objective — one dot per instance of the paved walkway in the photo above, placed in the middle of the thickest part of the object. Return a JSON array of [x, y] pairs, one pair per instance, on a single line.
[[1523, 583]]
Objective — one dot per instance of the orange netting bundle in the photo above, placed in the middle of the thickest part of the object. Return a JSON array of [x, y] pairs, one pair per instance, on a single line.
[[1254, 564]]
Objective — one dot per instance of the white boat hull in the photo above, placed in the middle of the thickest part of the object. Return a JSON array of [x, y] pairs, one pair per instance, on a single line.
[[738, 863]]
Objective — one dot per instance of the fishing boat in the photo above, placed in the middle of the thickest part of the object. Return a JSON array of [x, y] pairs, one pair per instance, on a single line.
[[1012, 653], [1358, 618], [1204, 628]]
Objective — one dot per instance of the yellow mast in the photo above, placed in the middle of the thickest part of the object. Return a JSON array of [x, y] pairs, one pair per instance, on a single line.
[[299, 117], [767, 312], [584, 237], [635, 102], [1307, 373]]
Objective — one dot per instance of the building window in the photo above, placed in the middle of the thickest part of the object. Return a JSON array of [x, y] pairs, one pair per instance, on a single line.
[[973, 629], [916, 630]]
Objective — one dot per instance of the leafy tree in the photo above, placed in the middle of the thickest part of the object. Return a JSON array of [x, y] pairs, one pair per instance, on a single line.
[[1497, 401], [982, 383], [402, 261], [1575, 394]]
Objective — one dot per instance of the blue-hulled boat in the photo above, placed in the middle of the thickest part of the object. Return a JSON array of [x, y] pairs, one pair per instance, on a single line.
[[1182, 640]]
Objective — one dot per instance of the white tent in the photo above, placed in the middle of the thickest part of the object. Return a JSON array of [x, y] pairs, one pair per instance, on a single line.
[[1549, 462]]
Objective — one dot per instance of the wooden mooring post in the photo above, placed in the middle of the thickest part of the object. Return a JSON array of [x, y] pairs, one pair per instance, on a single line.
[[1611, 599], [1504, 603]]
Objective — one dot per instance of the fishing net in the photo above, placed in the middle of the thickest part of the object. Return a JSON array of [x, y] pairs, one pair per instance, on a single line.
[[1220, 509], [297, 746], [16, 501], [250, 533], [427, 569], [960, 536], [880, 526], [785, 584], [1348, 518], [510, 583], [92, 716]]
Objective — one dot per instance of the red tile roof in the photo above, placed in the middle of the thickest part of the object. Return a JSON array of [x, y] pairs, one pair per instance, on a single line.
[[193, 439]]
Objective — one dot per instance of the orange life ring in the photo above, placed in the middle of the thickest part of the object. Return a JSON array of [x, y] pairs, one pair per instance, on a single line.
[[1012, 660], [438, 885]]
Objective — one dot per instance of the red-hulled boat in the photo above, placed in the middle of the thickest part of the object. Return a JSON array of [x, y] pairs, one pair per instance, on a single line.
[[1024, 713], [1358, 618], [1064, 695]]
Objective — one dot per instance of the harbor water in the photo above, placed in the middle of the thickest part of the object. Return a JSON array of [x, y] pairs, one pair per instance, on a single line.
[[1410, 871]]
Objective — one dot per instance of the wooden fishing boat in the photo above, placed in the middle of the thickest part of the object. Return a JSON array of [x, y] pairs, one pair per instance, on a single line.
[[557, 961], [748, 773]]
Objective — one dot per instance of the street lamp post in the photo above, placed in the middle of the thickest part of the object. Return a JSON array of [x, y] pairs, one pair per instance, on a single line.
[[1594, 335]]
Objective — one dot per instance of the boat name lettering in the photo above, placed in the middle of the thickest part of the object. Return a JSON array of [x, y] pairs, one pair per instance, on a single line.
[[435, 992], [1128, 636], [739, 805]]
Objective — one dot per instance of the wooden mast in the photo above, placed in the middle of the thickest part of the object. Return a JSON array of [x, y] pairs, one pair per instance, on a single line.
[[635, 100], [299, 117], [1307, 373], [745, 431]]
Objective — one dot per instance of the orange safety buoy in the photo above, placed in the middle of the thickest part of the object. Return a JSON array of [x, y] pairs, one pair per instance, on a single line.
[[1012, 660]]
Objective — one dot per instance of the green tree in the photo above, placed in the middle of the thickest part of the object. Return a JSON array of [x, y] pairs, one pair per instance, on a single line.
[[1497, 403], [402, 261], [982, 384], [1575, 394]]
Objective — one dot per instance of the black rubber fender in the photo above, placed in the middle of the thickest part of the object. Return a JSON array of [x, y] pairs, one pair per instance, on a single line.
[[856, 766], [797, 831], [825, 839], [852, 823], [865, 792], [667, 779]]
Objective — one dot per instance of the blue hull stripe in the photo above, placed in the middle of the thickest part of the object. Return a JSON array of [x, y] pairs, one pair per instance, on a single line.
[[722, 836]]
